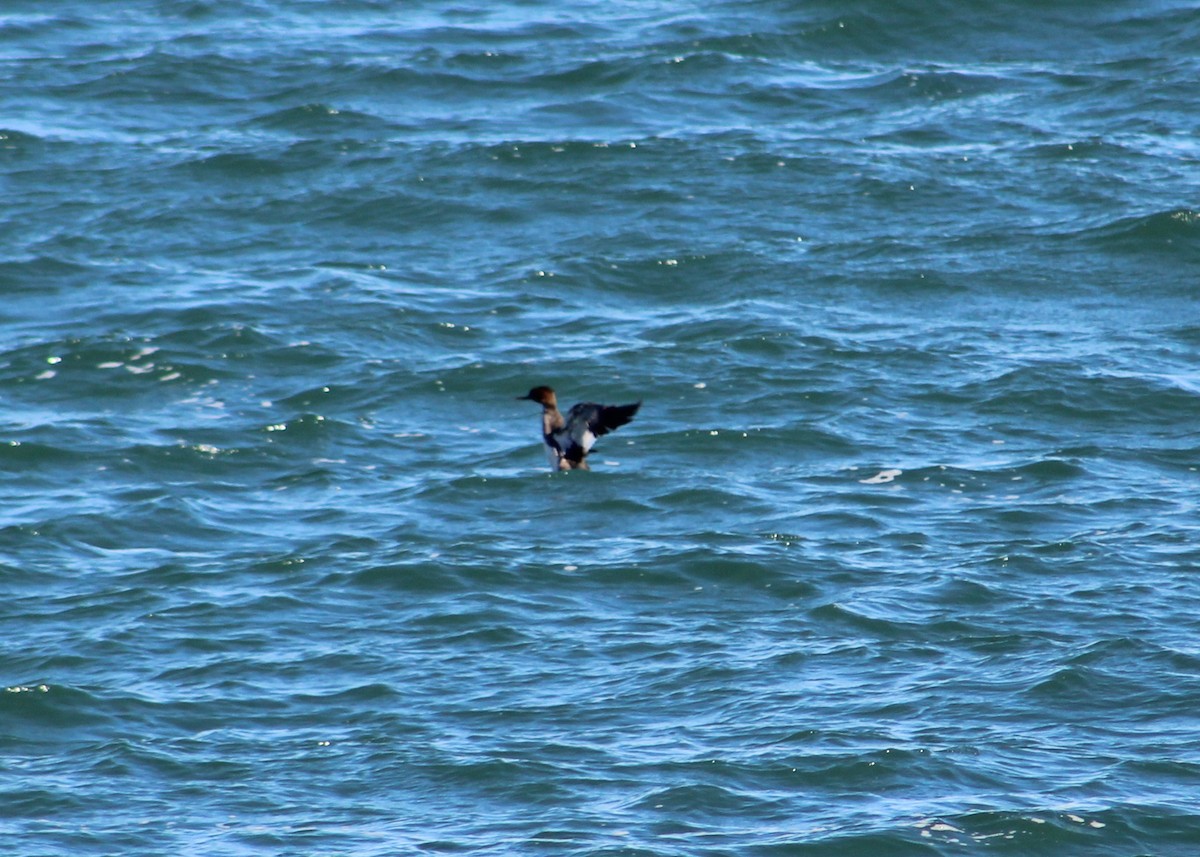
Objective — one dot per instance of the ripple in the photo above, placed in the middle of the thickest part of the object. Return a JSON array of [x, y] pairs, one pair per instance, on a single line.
[[895, 559]]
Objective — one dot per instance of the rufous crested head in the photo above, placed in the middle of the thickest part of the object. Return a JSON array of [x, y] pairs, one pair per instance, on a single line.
[[541, 395]]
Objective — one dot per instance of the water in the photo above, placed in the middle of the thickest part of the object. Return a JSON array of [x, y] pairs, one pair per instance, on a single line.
[[898, 558]]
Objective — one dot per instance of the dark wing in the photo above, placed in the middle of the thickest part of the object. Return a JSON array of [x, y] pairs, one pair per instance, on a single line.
[[587, 421], [609, 417]]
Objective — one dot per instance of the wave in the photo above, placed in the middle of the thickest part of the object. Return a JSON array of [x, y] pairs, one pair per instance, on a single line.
[[324, 120], [17, 143], [42, 274], [1176, 230], [1064, 390]]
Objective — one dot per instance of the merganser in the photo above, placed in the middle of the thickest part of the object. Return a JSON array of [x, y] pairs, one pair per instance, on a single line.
[[568, 441]]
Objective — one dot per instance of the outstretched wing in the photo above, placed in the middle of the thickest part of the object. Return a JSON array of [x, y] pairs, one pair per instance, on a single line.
[[587, 421]]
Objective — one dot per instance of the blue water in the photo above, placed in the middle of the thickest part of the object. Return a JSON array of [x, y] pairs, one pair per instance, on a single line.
[[898, 558]]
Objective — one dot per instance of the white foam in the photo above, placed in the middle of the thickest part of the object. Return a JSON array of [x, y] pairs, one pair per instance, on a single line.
[[881, 477]]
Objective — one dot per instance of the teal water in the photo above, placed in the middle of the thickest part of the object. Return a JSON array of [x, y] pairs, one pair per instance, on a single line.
[[899, 557]]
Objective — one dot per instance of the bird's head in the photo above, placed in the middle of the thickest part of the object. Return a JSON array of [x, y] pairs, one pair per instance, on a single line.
[[542, 395]]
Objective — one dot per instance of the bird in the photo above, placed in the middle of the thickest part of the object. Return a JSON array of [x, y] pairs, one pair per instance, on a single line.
[[569, 440]]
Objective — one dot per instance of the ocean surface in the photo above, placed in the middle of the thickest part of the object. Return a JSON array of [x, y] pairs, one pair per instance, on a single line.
[[901, 555]]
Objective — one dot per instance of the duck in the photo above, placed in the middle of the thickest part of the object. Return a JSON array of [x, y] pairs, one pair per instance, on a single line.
[[569, 439]]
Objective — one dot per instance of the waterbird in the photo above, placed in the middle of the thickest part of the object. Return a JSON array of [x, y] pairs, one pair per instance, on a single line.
[[569, 440]]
